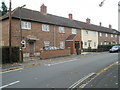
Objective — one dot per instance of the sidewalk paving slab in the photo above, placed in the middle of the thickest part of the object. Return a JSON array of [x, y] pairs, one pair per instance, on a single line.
[[28, 62]]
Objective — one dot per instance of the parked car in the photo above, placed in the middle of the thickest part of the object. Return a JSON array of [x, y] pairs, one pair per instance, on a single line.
[[50, 48], [115, 49]]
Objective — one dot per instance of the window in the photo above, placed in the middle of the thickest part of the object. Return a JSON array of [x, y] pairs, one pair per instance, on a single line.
[[100, 34], [62, 45], [74, 31], [101, 43], [106, 35], [115, 36], [111, 35], [105, 43], [94, 44], [61, 30], [94, 33], [45, 27], [86, 32], [25, 25], [46, 43], [85, 43]]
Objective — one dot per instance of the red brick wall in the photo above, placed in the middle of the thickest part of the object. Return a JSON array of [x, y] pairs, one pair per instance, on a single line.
[[36, 30], [5, 32], [53, 53], [108, 39]]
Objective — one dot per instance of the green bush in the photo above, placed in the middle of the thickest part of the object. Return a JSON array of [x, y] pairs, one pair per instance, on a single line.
[[5, 54], [105, 47]]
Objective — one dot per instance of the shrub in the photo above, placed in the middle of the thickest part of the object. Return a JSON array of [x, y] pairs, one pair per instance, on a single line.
[[105, 47], [5, 54]]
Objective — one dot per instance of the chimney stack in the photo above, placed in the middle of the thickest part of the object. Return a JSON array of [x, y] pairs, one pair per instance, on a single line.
[[110, 26], [100, 24], [43, 9], [70, 16], [88, 20]]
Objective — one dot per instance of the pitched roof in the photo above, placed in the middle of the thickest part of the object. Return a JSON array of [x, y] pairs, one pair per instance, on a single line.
[[27, 14], [71, 37]]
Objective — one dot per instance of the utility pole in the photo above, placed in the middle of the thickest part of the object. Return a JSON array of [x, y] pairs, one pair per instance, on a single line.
[[21, 52], [10, 48]]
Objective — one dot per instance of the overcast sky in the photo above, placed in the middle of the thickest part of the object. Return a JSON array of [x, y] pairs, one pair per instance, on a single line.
[[81, 9]]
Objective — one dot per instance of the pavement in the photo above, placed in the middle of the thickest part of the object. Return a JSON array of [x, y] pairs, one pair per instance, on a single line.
[[106, 78], [33, 61], [62, 74]]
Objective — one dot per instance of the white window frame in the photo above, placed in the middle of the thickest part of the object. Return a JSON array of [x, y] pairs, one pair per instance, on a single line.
[[61, 29], [94, 33], [111, 35], [115, 36], [62, 45], [100, 34], [46, 43], [85, 32], [74, 31], [106, 35], [85, 43], [45, 27], [25, 25], [95, 44]]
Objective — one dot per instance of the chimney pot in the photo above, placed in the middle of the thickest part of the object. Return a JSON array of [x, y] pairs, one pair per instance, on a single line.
[[43, 9], [110, 26], [100, 24], [70, 16], [88, 20]]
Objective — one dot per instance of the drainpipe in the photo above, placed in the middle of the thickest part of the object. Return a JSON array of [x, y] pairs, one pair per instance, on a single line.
[[54, 37]]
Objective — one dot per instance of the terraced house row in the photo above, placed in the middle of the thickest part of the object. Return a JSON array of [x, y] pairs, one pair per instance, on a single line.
[[41, 30]]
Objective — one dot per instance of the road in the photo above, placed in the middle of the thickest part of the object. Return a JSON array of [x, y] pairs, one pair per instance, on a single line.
[[57, 75]]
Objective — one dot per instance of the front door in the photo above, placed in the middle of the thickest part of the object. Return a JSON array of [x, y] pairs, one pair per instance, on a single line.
[[77, 46], [32, 48]]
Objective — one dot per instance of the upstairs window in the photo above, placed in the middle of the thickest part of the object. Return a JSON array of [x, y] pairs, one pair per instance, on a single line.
[[111, 35], [45, 27], [100, 34], [74, 31], [25, 25], [106, 35], [61, 30], [94, 33], [85, 32]]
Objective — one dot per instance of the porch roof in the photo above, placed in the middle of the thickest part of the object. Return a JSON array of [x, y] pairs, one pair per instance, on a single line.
[[72, 37]]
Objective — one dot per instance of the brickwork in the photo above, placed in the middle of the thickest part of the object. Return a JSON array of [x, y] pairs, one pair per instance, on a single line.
[[53, 53], [54, 36], [109, 39]]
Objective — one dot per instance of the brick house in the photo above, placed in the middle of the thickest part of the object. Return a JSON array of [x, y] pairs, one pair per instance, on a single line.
[[40, 30], [94, 35]]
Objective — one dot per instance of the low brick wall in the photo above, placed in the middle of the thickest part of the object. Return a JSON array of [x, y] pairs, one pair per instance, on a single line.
[[54, 53]]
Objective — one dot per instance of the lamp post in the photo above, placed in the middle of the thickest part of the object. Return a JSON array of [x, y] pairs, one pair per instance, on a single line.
[[10, 48], [101, 4], [21, 52]]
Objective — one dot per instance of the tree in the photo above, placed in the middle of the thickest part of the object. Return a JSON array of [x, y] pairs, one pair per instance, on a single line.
[[4, 9]]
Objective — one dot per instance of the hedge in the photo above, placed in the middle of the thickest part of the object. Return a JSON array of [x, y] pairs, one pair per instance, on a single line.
[[5, 54], [106, 47]]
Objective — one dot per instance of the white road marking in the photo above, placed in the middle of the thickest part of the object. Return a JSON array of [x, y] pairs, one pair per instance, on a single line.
[[61, 62], [80, 81], [9, 84], [11, 71]]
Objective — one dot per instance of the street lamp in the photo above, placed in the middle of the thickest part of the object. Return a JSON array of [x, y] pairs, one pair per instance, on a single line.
[[101, 4], [21, 53]]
